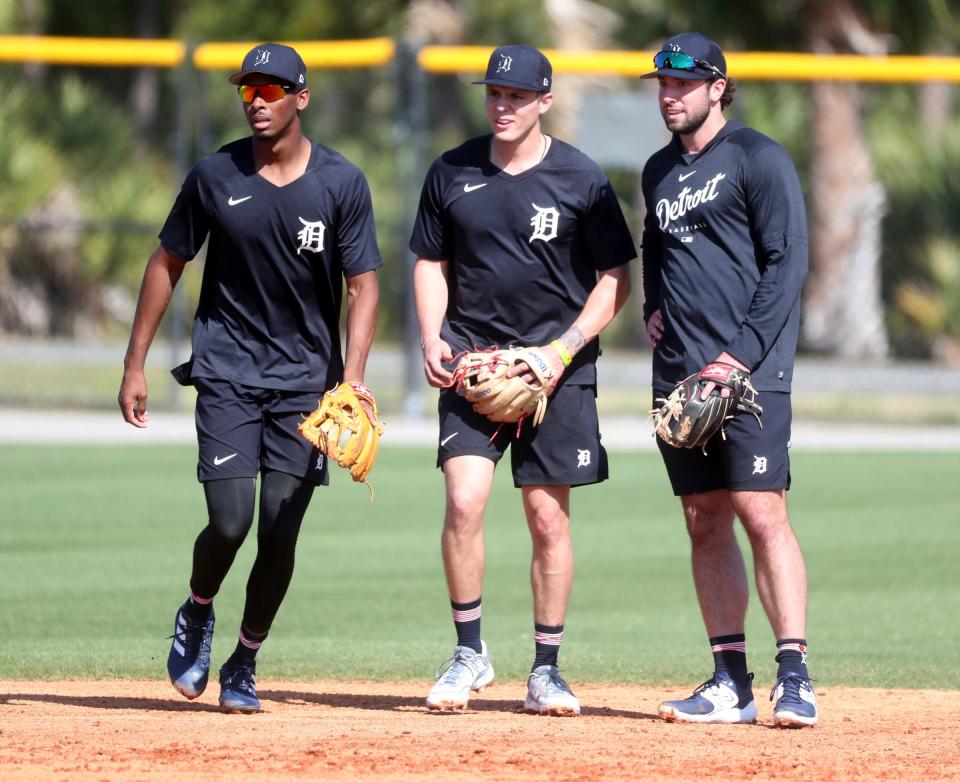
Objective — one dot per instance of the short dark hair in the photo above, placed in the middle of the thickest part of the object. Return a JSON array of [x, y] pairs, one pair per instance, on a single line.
[[729, 89]]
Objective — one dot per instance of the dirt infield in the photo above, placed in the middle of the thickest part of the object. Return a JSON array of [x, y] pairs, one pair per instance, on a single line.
[[141, 730]]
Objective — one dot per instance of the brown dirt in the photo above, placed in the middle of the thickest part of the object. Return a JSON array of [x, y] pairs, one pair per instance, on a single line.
[[141, 730]]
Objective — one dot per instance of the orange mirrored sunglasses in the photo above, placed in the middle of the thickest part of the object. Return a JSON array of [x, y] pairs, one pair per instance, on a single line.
[[269, 92]]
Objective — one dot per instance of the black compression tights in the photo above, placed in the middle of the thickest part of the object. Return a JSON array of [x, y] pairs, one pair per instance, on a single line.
[[230, 504]]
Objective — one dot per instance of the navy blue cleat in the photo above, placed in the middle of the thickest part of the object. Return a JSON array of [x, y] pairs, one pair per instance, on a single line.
[[188, 663], [238, 688], [716, 700], [796, 705]]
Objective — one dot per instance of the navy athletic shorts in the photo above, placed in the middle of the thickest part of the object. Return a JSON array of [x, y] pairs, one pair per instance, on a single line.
[[751, 458], [241, 430], [564, 450]]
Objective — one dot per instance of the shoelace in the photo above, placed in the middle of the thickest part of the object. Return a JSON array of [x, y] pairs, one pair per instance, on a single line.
[[241, 678], [555, 682], [711, 682], [190, 633], [791, 687], [448, 672]]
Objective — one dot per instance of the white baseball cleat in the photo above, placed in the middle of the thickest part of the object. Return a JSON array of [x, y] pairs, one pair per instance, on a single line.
[[548, 693], [467, 671]]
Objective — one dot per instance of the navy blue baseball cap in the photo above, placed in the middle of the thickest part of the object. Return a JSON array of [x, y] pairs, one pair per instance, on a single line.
[[689, 56], [273, 59], [519, 66]]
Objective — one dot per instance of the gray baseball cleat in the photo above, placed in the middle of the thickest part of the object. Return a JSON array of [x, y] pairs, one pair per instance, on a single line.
[[548, 693], [467, 671]]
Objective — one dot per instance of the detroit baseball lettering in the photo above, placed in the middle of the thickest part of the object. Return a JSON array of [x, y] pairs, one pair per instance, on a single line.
[[671, 210]]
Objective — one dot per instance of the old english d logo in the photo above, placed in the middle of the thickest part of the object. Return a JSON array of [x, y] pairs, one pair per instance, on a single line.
[[263, 57], [505, 63]]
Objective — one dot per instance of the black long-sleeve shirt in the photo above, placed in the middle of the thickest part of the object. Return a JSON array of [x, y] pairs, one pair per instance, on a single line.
[[725, 256]]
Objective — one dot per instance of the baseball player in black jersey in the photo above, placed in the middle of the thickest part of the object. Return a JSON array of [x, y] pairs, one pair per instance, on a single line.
[[520, 241], [287, 221], [724, 259]]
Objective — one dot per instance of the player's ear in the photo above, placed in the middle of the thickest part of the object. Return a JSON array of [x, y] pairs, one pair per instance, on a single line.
[[303, 99], [545, 100], [716, 89]]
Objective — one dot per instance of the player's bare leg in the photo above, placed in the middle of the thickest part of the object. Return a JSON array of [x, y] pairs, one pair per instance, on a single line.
[[720, 579], [719, 574], [782, 584], [468, 482], [551, 569], [551, 578], [780, 571]]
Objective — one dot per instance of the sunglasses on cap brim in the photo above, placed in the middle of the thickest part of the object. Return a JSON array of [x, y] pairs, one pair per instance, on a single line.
[[268, 92], [682, 62]]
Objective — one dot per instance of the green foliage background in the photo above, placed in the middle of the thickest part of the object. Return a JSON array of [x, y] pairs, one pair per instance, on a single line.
[[74, 129]]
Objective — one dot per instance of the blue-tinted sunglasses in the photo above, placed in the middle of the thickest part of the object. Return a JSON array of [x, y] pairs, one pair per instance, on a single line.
[[682, 62]]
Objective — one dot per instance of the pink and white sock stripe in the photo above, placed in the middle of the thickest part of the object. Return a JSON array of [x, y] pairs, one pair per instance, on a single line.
[[469, 615], [200, 601], [250, 643], [547, 639], [792, 647], [735, 646]]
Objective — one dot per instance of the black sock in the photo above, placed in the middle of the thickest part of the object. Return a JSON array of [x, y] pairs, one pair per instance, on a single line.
[[730, 657], [198, 608], [466, 620], [248, 644], [792, 657], [547, 639]]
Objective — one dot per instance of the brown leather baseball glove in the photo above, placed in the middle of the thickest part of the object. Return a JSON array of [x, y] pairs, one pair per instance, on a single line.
[[684, 420]]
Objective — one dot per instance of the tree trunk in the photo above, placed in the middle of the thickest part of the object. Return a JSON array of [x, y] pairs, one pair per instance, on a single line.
[[843, 312]]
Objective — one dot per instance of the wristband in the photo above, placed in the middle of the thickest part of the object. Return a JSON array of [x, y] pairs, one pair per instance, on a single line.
[[564, 352]]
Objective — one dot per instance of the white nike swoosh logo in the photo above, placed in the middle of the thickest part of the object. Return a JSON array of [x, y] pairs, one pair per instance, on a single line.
[[471, 188], [687, 175], [234, 201], [447, 439], [217, 461]]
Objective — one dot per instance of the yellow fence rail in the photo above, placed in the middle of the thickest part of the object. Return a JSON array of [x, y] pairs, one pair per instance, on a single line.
[[770, 66], [374, 52], [366, 53], [91, 51]]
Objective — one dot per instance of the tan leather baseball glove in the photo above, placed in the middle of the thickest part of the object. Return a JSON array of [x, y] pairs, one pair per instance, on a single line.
[[482, 376], [341, 428]]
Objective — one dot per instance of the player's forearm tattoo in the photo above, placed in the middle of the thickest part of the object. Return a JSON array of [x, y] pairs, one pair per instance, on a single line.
[[573, 340]]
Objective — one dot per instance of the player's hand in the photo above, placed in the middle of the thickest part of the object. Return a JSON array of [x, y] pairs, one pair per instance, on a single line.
[[527, 375], [723, 358], [654, 328], [435, 352], [133, 398]]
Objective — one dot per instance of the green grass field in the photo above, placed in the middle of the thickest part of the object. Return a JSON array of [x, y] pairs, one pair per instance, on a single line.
[[95, 550]]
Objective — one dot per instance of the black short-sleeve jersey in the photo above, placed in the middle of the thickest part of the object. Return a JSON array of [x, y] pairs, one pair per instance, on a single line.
[[269, 309], [523, 250], [725, 256]]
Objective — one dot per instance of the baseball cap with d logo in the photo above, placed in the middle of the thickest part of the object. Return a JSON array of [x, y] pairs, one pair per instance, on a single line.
[[689, 56], [519, 66], [273, 59]]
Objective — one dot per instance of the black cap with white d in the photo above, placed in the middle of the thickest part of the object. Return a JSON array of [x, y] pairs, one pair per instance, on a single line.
[[519, 66], [273, 59], [689, 56]]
